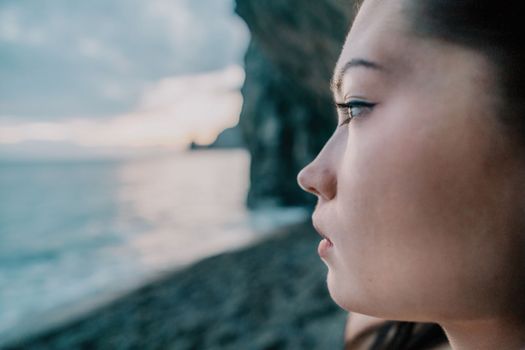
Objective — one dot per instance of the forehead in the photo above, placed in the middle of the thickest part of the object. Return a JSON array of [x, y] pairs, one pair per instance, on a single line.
[[377, 18], [379, 35], [413, 67]]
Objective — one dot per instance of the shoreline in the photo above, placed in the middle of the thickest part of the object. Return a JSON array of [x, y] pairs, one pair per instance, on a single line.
[[271, 291], [31, 327]]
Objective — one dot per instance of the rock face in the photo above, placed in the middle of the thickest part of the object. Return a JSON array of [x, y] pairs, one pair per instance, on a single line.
[[228, 138], [288, 113]]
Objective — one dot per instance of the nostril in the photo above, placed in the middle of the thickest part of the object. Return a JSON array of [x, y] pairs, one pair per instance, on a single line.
[[312, 190], [318, 181]]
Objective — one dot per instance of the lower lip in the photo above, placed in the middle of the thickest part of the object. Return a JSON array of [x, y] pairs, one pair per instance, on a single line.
[[324, 248]]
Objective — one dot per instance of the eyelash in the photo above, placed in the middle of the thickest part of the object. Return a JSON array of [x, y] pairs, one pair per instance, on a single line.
[[346, 109]]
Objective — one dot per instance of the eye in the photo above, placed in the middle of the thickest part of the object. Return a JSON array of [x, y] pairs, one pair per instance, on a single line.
[[352, 109]]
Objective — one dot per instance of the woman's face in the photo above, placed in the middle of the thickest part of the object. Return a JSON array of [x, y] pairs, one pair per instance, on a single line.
[[421, 193]]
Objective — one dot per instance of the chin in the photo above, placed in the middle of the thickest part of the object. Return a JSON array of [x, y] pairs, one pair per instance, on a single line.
[[353, 299], [338, 294]]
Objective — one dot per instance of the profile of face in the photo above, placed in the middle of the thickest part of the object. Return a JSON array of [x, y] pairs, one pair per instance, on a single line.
[[421, 193]]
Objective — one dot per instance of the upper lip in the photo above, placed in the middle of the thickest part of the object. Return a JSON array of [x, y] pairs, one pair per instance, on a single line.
[[318, 228]]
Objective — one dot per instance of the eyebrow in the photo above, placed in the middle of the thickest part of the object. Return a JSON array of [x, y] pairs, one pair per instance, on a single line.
[[337, 79]]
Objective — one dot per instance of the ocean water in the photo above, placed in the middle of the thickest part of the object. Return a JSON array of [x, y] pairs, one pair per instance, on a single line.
[[73, 232]]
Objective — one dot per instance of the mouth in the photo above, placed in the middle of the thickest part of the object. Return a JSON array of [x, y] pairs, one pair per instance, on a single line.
[[318, 229], [325, 246]]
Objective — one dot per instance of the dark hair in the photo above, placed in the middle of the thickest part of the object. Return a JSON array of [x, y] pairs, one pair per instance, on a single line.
[[397, 335], [496, 32]]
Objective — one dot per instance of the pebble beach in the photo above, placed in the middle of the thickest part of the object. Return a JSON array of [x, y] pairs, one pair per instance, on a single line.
[[271, 294]]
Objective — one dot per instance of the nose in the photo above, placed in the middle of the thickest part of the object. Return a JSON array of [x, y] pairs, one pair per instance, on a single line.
[[319, 178]]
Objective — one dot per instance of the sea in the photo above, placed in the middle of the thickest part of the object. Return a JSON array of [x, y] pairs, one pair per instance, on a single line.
[[74, 234]]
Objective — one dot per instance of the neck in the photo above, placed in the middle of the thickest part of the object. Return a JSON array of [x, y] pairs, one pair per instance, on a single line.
[[486, 334]]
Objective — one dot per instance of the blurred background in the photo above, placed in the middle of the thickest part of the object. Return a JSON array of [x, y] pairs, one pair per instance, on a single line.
[[139, 137]]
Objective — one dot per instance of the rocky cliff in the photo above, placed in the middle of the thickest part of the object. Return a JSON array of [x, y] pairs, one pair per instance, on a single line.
[[288, 113]]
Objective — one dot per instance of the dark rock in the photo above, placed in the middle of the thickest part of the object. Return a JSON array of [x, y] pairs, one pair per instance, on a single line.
[[196, 146], [228, 138], [288, 113]]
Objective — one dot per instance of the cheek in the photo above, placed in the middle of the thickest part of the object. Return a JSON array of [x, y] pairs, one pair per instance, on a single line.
[[418, 209], [398, 187]]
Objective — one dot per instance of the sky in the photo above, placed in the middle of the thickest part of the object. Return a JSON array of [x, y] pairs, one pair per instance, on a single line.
[[128, 74]]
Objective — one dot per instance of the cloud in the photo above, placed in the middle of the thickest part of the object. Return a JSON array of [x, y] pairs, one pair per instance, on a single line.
[[12, 30], [97, 50], [61, 58], [171, 112], [9, 26]]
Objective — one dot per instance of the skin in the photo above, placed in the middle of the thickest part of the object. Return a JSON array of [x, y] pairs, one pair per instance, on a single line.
[[422, 195]]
